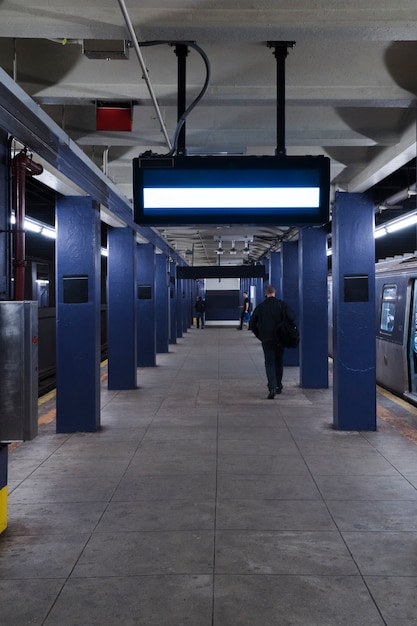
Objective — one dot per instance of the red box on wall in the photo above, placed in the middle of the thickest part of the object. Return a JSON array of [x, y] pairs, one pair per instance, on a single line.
[[114, 117]]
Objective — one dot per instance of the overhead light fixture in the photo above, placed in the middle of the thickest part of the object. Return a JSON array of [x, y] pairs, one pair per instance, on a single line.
[[48, 232], [220, 249], [232, 249], [392, 226], [107, 49], [396, 224], [380, 232], [33, 226], [403, 223]]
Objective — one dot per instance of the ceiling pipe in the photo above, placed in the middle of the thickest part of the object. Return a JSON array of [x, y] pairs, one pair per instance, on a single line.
[[181, 50], [21, 166], [144, 70], [280, 52], [400, 196]]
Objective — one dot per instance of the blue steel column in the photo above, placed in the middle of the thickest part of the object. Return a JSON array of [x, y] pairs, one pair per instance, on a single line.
[[145, 305], [172, 303], [275, 269], [162, 303], [121, 310], [5, 266], [191, 301], [186, 305], [267, 264], [78, 315], [353, 270], [289, 289], [180, 307], [185, 310], [260, 290], [314, 370]]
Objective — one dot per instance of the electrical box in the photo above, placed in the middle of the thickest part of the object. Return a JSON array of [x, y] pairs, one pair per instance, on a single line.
[[18, 370]]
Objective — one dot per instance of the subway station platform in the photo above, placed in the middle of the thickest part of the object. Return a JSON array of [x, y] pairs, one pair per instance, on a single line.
[[202, 503]]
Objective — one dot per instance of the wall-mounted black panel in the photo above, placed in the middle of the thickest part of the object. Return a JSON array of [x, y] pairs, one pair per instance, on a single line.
[[144, 292], [356, 288], [75, 289], [231, 271]]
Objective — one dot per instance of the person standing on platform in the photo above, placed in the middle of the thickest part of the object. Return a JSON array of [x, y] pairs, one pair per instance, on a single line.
[[264, 324], [200, 307], [245, 309]]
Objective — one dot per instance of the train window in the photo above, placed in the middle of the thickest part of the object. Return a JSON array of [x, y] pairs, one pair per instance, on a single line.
[[389, 295], [389, 292]]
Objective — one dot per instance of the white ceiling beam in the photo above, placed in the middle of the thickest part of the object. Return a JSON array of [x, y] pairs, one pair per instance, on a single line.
[[387, 162]]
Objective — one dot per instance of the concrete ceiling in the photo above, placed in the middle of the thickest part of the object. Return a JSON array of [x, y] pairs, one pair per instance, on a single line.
[[351, 87]]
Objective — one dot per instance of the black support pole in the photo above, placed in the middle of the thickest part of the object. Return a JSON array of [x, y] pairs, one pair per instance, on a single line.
[[280, 53], [181, 50]]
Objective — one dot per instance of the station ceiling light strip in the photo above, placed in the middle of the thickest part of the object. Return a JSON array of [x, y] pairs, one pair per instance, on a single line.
[[34, 226], [392, 226]]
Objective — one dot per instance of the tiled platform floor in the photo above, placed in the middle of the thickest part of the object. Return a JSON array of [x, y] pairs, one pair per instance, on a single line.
[[202, 503]]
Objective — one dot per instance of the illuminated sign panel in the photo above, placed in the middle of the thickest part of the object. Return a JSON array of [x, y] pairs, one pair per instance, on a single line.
[[231, 190]]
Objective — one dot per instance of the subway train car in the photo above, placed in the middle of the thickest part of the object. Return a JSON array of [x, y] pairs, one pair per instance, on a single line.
[[40, 287], [396, 330], [396, 325]]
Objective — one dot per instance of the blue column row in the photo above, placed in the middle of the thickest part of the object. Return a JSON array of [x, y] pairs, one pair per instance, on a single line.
[[121, 309], [289, 289], [145, 305], [313, 309], [162, 303], [78, 315], [148, 309], [354, 352], [173, 299], [275, 270]]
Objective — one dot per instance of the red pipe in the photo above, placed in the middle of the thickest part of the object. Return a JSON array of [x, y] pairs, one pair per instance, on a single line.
[[21, 166]]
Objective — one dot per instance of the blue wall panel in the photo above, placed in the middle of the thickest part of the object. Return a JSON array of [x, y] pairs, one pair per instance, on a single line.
[[289, 289], [313, 309], [145, 305], [172, 304], [223, 305], [162, 303]]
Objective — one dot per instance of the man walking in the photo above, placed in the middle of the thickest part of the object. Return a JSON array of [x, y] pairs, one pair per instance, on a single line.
[[200, 308], [245, 309], [264, 323]]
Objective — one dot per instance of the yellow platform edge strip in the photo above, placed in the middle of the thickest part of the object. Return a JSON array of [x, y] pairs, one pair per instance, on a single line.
[[3, 509]]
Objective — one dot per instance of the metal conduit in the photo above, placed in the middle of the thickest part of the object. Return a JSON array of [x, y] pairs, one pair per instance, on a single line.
[[21, 166], [144, 69]]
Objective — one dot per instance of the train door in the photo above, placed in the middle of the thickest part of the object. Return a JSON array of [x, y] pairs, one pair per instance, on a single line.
[[412, 345]]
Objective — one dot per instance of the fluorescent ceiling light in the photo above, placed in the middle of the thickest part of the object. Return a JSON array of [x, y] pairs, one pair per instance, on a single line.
[[33, 227], [48, 232], [380, 232], [231, 197], [402, 223]]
